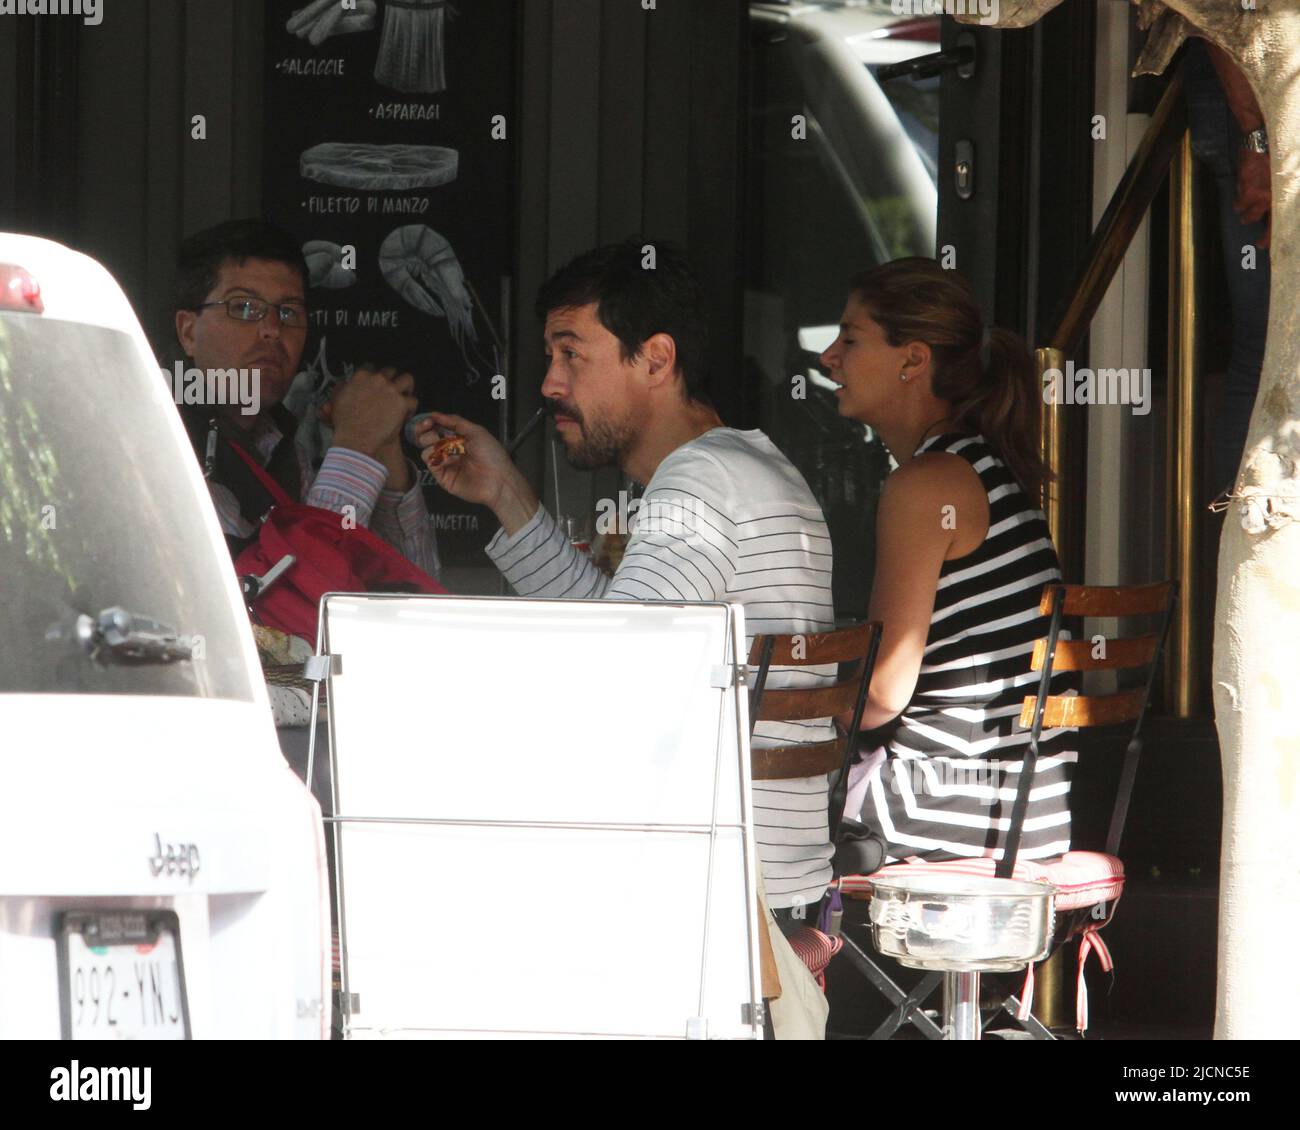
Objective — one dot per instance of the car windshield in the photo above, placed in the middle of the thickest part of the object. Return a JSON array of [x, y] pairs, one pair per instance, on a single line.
[[96, 512]]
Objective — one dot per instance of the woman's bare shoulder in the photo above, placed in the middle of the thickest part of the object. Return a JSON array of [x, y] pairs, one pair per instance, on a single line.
[[932, 473]]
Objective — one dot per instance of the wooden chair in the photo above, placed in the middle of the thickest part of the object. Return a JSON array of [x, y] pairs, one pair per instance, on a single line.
[[1088, 883], [855, 647]]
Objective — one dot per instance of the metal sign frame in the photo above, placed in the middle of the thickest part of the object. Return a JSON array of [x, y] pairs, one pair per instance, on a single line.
[[728, 678]]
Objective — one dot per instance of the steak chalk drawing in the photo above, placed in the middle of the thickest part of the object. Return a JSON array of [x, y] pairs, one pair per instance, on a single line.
[[379, 168]]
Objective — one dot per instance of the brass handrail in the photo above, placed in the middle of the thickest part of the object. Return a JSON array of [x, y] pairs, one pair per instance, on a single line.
[[1106, 249], [1184, 694], [1128, 205], [1165, 145]]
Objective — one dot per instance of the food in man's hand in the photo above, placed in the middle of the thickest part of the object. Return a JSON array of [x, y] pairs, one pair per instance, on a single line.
[[449, 447]]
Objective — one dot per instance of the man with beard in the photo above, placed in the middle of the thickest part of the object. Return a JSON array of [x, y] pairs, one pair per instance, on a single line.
[[725, 516], [242, 305]]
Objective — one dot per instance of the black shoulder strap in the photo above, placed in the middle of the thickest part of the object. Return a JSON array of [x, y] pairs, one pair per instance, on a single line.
[[235, 475], [231, 472]]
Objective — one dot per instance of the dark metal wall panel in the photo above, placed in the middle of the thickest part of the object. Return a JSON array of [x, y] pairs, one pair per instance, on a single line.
[[573, 200], [209, 165], [575, 128], [113, 153], [669, 115], [247, 82], [622, 120], [715, 189], [532, 252], [98, 129], [1064, 77], [41, 122], [10, 84], [163, 194]]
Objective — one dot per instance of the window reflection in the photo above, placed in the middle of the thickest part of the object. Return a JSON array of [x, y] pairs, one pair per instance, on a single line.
[[842, 174]]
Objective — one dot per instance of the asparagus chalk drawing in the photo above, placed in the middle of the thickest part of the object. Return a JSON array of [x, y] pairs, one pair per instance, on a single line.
[[411, 50]]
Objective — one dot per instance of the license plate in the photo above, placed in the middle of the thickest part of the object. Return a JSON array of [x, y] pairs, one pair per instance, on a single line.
[[121, 976]]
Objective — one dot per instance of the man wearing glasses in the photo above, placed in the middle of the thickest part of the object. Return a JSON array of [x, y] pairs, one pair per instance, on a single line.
[[242, 305]]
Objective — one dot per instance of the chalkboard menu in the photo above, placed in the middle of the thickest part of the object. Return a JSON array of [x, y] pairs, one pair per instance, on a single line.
[[388, 151]]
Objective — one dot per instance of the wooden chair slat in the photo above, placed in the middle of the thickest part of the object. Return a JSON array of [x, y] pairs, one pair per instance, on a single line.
[[1093, 600], [817, 647], [788, 761], [1076, 655], [1084, 710], [810, 702]]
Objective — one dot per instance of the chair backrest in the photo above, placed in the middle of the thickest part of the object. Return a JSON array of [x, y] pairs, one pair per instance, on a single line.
[[857, 646], [1053, 655]]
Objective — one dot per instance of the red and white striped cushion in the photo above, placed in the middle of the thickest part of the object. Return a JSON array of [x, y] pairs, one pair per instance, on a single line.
[[815, 950], [1081, 878]]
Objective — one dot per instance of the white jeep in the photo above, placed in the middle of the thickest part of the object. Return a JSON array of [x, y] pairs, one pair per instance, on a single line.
[[162, 870]]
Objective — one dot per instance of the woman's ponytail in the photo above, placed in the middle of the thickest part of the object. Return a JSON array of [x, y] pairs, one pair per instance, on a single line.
[[1006, 407]]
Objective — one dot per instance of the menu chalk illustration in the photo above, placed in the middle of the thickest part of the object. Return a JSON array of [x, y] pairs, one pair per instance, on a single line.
[[388, 153]]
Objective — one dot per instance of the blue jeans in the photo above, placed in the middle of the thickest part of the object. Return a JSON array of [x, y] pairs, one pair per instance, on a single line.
[[1216, 139]]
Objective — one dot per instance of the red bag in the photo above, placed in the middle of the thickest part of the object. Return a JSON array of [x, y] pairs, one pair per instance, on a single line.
[[330, 558]]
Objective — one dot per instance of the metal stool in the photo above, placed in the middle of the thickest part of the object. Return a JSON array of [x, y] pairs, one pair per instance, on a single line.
[[962, 926]]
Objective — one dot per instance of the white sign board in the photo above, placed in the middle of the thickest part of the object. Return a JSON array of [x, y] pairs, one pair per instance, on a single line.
[[542, 816]]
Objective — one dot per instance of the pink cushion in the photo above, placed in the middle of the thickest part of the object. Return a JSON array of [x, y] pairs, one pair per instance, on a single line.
[[815, 950], [1081, 878], [1084, 878]]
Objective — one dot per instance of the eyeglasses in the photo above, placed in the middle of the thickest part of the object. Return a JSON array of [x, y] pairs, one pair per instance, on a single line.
[[254, 310]]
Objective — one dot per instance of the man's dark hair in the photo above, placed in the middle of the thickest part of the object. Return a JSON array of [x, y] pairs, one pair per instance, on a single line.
[[636, 300], [203, 253]]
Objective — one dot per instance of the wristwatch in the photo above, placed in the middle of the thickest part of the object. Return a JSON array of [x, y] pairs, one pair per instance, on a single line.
[[1256, 141]]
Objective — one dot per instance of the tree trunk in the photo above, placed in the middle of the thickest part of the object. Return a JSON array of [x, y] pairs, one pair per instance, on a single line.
[[1257, 620]]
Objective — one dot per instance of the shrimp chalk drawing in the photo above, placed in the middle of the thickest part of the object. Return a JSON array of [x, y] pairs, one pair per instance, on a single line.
[[422, 267]]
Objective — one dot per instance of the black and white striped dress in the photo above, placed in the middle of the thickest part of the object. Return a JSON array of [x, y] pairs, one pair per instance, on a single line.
[[951, 764]]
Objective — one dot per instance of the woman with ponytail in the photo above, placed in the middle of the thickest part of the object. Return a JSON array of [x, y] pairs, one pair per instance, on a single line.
[[962, 555]]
